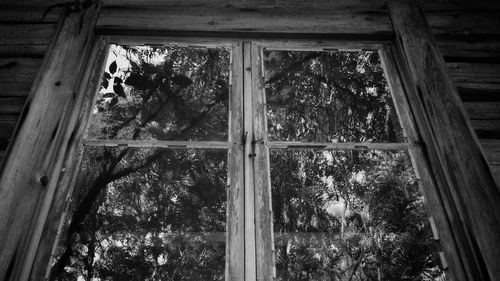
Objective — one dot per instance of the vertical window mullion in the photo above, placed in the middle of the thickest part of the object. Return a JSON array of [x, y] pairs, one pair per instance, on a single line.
[[235, 249], [250, 255], [262, 182]]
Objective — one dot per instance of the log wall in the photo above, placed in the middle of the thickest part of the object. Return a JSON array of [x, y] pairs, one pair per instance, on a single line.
[[23, 43], [468, 37]]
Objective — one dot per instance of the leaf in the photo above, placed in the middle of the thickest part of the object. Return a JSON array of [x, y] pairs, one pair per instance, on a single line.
[[109, 95], [119, 90], [104, 83], [112, 67], [106, 75], [113, 102], [138, 81], [117, 80], [181, 80]]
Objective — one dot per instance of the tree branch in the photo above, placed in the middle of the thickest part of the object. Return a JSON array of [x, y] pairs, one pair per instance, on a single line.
[[292, 67]]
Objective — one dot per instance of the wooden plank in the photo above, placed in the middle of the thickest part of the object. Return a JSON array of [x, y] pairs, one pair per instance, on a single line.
[[256, 19], [492, 150], [479, 95], [8, 89], [486, 129], [235, 246], [12, 14], [36, 158], [420, 161], [56, 216], [159, 143], [469, 48], [26, 34], [18, 69], [336, 18], [11, 105], [483, 110], [251, 3], [449, 139], [268, 43], [23, 49], [479, 86], [262, 178], [23, 39], [463, 21], [495, 170], [7, 126], [337, 146], [250, 234], [464, 72]]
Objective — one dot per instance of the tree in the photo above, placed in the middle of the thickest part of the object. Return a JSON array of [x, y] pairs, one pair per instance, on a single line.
[[160, 214], [152, 214]]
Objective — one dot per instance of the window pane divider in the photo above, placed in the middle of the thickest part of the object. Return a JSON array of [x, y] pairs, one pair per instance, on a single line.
[[337, 146], [159, 144]]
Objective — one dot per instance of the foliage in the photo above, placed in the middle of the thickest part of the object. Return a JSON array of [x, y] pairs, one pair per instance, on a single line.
[[160, 214], [362, 213], [329, 97], [146, 214]]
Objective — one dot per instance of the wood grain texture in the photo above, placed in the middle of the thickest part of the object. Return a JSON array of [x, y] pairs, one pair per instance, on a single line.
[[449, 140], [26, 38], [420, 161], [496, 172], [258, 19], [492, 151], [160, 144], [11, 105], [337, 146], [468, 72], [486, 129], [16, 14], [250, 219], [483, 110], [263, 210], [235, 245], [470, 48], [54, 213], [435, 5], [9, 89], [19, 69], [7, 125], [41, 142]]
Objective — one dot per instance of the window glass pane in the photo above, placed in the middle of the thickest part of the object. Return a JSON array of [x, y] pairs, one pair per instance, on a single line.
[[328, 97], [146, 214], [163, 93], [350, 215]]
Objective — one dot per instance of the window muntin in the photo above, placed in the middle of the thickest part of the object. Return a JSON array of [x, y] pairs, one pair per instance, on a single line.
[[244, 146]]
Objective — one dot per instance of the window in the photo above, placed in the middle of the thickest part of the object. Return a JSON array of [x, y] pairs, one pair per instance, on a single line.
[[240, 160]]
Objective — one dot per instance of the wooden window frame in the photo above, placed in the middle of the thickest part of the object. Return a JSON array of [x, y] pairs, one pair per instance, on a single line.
[[458, 194]]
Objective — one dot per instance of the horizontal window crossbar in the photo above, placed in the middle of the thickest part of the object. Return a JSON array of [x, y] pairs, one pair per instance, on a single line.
[[337, 146], [158, 144]]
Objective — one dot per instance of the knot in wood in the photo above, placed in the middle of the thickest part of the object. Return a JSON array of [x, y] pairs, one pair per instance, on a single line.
[[44, 180]]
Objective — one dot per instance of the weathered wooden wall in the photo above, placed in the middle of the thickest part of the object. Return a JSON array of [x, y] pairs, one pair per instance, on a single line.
[[23, 43], [468, 36]]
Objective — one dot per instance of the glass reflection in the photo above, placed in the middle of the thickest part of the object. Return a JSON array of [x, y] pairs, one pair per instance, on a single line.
[[328, 97], [146, 214], [163, 93], [350, 215]]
